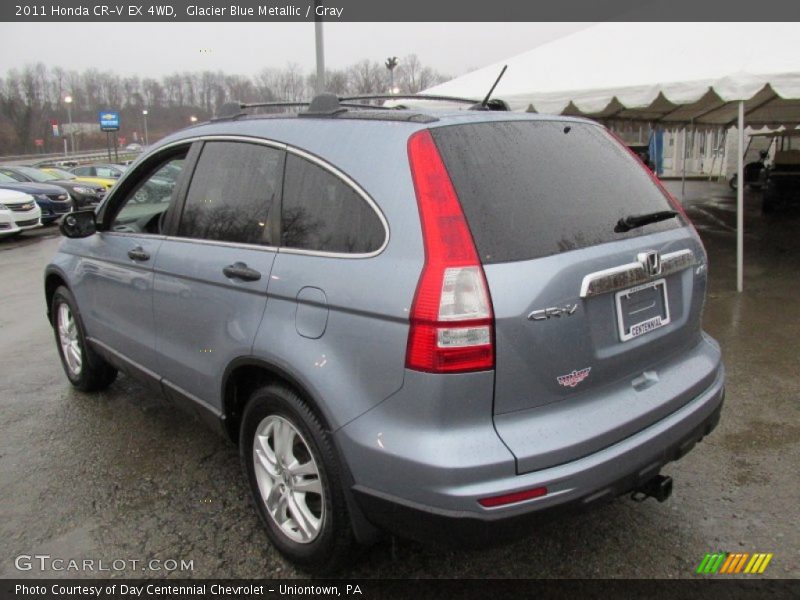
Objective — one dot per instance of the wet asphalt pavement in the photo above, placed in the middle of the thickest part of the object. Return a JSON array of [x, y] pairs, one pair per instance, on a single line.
[[118, 475]]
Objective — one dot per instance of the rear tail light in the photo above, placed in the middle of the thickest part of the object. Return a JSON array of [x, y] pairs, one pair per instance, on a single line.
[[451, 321]]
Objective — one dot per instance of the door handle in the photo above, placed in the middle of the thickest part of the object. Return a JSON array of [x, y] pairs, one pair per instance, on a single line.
[[138, 253], [240, 270]]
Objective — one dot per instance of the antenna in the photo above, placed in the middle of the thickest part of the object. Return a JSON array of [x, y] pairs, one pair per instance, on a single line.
[[485, 102]]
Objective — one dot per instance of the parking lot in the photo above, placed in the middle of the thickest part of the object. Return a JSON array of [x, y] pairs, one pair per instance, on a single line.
[[118, 475]]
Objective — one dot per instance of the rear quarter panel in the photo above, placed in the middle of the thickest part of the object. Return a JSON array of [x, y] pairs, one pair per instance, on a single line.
[[359, 359]]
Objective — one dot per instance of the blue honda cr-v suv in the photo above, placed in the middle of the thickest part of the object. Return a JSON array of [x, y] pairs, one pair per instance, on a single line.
[[437, 324]]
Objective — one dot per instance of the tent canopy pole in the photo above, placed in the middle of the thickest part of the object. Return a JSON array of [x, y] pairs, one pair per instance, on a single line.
[[740, 203]]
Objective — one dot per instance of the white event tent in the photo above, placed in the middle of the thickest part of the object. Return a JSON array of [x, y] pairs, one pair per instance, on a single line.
[[672, 74]]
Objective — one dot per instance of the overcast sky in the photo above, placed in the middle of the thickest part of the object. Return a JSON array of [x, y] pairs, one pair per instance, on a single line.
[[245, 48]]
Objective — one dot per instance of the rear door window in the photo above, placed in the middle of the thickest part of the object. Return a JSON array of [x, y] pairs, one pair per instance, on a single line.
[[536, 188], [232, 193], [323, 213]]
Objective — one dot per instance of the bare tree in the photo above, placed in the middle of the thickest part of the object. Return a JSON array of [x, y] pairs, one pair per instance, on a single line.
[[32, 96], [413, 76], [366, 77]]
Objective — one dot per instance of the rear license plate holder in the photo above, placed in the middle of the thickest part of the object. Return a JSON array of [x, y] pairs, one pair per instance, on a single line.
[[642, 309]]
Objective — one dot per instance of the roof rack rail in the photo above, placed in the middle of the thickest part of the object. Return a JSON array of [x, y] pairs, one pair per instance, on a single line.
[[494, 104], [329, 105]]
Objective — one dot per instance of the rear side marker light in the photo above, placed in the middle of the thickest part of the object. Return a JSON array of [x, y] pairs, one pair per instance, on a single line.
[[451, 321], [505, 499]]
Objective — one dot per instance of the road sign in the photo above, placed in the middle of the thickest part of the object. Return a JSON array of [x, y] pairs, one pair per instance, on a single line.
[[54, 125], [38, 142], [109, 120]]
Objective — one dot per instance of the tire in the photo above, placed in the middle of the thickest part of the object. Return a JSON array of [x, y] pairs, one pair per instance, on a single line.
[[324, 542], [734, 182], [85, 369]]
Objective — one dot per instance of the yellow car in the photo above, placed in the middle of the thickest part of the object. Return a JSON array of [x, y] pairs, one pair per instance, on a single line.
[[106, 182]]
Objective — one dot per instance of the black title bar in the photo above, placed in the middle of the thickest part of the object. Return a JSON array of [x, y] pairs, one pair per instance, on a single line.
[[400, 11], [707, 588]]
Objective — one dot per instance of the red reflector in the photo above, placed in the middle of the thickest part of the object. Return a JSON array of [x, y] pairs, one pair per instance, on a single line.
[[512, 498]]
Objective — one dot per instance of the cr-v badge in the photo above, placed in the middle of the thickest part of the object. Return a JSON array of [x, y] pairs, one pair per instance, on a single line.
[[553, 311]]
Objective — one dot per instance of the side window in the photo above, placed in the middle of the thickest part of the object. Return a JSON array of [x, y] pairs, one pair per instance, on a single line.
[[104, 172], [323, 213], [232, 191], [82, 171], [144, 208]]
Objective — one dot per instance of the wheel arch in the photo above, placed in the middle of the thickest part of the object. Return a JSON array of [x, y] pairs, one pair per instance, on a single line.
[[53, 279], [246, 374]]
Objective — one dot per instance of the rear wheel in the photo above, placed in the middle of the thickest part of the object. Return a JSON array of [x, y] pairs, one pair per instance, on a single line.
[[84, 368], [294, 479]]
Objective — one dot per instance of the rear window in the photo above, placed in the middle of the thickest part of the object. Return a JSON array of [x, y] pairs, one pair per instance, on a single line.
[[535, 188]]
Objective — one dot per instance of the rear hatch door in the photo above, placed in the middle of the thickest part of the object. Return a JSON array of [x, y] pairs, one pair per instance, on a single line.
[[588, 320]]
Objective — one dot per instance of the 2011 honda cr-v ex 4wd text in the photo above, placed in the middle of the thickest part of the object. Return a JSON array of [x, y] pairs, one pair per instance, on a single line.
[[437, 324]]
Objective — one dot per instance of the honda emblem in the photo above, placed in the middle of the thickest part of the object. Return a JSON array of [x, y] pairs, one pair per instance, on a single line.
[[651, 262]]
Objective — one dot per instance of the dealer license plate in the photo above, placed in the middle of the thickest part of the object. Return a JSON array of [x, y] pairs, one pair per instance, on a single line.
[[642, 309]]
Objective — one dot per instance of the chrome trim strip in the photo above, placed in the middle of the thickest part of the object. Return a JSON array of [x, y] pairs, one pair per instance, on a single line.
[[631, 274], [243, 246]]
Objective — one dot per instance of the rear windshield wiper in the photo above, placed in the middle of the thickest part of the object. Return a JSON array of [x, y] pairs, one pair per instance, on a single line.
[[634, 221]]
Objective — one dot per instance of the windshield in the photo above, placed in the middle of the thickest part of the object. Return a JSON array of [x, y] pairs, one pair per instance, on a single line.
[[59, 174], [6, 179]]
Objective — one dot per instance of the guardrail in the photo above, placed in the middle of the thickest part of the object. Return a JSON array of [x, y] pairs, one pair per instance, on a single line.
[[88, 156]]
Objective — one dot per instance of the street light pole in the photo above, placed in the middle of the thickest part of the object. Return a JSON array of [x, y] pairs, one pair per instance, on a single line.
[[144, 116], [391, 63], [68, 102], [320, 48]]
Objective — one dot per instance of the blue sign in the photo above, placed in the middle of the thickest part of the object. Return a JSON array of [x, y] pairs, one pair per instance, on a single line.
[[109, 120]]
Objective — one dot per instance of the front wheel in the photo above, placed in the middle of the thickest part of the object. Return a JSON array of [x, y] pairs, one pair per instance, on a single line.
[[85, 369], [294, 477]]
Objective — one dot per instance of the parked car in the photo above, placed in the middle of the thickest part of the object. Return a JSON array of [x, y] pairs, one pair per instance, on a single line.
[[83, 194], [754, 172], [782, 176], [105, 182], [134, 147], [18, 212], [53, 201], [106, 171], [432, 324]]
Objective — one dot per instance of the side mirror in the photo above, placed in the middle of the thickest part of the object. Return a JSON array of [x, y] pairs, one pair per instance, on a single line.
[[78, 224]]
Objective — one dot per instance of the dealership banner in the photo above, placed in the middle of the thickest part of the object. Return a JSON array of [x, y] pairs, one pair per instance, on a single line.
[[406, 11], [419, 589]]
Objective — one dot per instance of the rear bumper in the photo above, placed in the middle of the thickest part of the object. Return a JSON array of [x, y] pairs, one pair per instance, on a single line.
[[572, 486]]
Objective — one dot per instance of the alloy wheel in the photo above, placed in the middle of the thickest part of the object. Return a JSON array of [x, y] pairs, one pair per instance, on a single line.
[[288, 479], [69, 339]]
